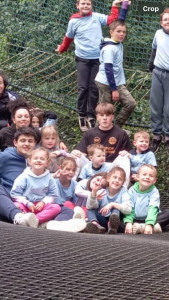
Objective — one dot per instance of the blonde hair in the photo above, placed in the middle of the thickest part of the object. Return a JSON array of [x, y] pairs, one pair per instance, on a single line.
[[117, 169], [91, 148], [50, 131], [38, 150], [141, 134], [150, 167]]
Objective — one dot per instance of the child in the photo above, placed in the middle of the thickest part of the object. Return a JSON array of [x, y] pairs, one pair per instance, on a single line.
[[159, 104], [97, 164], [66, 186], [35, 189], [37, 118], [110, 79], [141, 155], [106, 210], [50, 141], [85, 29], [145, 203]]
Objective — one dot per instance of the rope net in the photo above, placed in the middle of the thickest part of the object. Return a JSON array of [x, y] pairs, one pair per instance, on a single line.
[[30, 30]]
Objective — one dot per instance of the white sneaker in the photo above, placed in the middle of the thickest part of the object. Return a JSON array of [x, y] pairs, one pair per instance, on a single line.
[[28, 219], [157, 228], [73, 225], [138, 228], [79, 213]]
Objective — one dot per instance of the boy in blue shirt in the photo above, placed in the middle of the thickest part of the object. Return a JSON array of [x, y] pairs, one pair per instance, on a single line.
[[141, 154], [159, 96], [145, 217], [110, 79], [85, 29]]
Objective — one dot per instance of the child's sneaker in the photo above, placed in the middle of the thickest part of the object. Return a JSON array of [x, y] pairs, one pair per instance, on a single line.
[[91, 122], [72, 225], [114, 222], [94, 227], [157, 228], [28, 219], [79, 213], [82, 124], [138, 228], [155, 144]]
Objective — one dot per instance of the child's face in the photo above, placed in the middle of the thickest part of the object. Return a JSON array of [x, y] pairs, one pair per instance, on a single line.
[[105, 121], [2, 86], [49, 142], [119, 33], [25, 145], [98, 158], [35, 122], [84, 7], [165, 22], [141, 144], [38, 162], [115, 181], [146, 178], [67, 172], [21, 118]]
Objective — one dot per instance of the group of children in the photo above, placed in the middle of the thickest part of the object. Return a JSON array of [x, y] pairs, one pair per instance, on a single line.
[[99, 198]]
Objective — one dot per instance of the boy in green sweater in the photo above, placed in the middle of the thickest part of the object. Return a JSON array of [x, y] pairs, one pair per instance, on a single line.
[[145, 202]]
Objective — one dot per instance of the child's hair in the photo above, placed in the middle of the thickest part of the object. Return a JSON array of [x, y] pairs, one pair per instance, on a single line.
[[148, 166], [5, 79], [68, 160], [77, 1], [39, 114], [20, 103], [166, 11], [117, 169], [141, 134], [28, 131], [40, 149], [91, 148], [103, 174], [116, 23], [50, 131], [105, 108]]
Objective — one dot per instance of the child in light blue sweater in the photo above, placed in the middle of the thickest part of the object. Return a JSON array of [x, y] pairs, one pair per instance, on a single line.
[[35, 189], [104, 206]]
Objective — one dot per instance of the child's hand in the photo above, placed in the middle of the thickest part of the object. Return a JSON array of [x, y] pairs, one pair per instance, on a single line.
[[148, 229], [39, 206], [129, 228], [115, 96], [63, 146], [76, 153], [57, 49], [56, 174], [124, 153], [134, 177], [100, 194], [55, 153], [116, 2], [31, 207], [105, 210]]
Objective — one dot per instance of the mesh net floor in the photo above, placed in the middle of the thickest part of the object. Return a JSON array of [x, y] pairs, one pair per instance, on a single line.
[[43, 264]]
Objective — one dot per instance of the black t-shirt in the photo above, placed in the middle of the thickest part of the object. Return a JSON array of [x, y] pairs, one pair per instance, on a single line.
[[114, 140]]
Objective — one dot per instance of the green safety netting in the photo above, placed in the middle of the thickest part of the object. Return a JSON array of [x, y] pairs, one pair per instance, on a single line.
[[30, 30]]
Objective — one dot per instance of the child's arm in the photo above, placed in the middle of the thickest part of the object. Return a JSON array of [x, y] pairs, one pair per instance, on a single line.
[[114, 12], [151, 60], [125, 153], [65, 45], [124, 10]]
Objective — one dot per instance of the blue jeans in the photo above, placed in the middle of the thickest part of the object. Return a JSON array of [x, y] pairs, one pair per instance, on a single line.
[[95, 215]]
